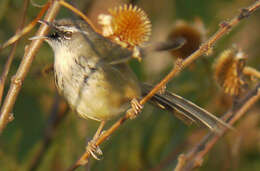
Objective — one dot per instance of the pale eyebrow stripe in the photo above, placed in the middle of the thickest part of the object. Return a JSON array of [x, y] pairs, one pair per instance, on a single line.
[[72, 29]]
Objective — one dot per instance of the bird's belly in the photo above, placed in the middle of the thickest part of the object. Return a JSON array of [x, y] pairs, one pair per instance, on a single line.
[[99, 107], [95, 99]]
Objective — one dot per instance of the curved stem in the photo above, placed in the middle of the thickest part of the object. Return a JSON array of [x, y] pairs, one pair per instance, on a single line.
[[18, 78], [11, 56], [194, 157]]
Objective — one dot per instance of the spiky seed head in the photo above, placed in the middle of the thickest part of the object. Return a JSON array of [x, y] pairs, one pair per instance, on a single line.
[[193, 33], [229, 69], [128, 25]]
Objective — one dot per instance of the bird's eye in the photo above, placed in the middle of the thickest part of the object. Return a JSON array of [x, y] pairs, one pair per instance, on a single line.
[[67, 34], [54, 35]]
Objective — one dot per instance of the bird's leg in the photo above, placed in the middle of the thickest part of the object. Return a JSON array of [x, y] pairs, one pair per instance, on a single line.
[[136, 108], [92, 148]]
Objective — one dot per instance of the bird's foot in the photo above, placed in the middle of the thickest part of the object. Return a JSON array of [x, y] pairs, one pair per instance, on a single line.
[[135, 110], [94, 150], [92, 146]]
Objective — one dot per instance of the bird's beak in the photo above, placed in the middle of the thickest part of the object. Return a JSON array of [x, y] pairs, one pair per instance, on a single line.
[[42, 37], [38, 37]]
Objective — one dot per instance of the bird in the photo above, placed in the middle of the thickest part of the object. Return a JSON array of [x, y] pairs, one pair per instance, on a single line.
[[92, 73]]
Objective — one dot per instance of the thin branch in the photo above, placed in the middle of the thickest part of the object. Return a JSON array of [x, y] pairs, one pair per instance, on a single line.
[[18, 78], [84, 158], [78, 12], [27, 28], [194, 157], [204, 48], [12, 53], [36, 5]]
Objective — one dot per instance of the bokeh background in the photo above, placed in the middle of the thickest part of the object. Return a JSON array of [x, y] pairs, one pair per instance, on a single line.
[[46, 135]]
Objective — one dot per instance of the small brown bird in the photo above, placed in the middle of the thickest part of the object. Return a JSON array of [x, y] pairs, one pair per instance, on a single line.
[[92, 74]]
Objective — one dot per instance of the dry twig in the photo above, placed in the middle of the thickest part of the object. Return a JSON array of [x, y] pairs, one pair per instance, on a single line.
[[79, 13], [18, 78], [225, 27], [204, 48], [194, 157], [27, 28], [12, 53]]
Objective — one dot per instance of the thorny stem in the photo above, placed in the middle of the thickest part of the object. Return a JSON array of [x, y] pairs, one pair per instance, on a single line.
[[194, 157], [11, 56], [204, 48], [18, 78]]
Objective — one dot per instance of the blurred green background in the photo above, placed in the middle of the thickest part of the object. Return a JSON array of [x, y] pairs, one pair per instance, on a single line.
[[45, 135]]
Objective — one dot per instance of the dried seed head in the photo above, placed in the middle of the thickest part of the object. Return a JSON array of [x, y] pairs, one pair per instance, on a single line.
[[193, 33], [128, 25], [229, 69]]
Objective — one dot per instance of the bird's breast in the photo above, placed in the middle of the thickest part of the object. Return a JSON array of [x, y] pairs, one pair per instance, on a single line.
[[94, 92]]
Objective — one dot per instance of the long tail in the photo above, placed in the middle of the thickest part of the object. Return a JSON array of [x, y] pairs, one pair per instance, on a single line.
[[171, 102]]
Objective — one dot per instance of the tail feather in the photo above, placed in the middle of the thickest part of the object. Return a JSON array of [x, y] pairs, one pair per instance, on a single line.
[[170, 101]]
